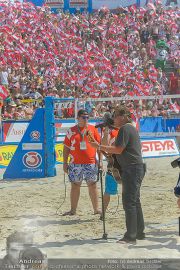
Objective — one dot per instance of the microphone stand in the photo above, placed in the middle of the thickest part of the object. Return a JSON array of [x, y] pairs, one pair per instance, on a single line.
[[100, 177]]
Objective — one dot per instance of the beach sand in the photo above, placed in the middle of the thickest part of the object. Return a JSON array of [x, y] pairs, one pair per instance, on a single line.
[[36, 206]]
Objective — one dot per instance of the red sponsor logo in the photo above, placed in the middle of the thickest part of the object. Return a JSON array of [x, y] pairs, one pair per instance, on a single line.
[[157, 146]]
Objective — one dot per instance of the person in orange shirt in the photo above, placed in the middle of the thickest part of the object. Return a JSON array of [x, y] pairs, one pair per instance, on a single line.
[[82, 164]]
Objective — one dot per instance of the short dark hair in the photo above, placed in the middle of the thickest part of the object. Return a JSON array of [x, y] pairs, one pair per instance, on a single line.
[[82, 112]]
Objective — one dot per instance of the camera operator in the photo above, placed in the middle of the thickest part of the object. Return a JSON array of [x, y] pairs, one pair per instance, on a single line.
[[175, 164], [127, 149]]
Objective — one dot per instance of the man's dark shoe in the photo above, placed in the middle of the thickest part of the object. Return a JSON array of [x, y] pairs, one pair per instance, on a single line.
[[125, 240], [141, 236]]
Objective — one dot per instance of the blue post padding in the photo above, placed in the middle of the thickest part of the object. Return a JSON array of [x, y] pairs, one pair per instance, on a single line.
[[50, 137], [29, 159]]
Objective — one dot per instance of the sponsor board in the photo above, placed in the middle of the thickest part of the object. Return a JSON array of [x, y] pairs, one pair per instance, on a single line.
[[32, 146], [6, 154], [32, 160], [113, 4], [35, 135], [13, 132], [96, 4], [59, 152], [78, 3], [159, 147], [55, 3]]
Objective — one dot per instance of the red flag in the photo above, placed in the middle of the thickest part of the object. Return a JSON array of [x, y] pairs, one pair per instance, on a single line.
[[132, 9], [4, 93], [140, 91], [174, 107], [153, 74]]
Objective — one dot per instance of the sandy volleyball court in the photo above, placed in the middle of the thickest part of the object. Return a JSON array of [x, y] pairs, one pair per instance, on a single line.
[[32, 206]]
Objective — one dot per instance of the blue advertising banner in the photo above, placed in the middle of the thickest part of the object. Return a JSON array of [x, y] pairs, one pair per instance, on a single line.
[[151, 124], [79, 5], [172, 125], [29, 159], [70, 5]]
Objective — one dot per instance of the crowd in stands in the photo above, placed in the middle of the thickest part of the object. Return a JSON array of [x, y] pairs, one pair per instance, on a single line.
[[84, 55]]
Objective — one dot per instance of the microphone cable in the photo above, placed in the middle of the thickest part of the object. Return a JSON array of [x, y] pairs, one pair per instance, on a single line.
[[65, 195]]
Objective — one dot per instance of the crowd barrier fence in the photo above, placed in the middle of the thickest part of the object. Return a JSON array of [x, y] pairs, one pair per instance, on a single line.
[[157, 137], [12, 131]]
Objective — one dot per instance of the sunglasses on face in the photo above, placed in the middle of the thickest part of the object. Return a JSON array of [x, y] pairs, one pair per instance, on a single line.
[[85, 117]]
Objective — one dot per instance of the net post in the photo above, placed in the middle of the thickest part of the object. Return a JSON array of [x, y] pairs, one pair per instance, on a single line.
[[49, 137]]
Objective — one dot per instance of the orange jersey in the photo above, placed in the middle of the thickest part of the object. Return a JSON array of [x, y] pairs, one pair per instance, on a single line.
[[73, 140], [112, 136]]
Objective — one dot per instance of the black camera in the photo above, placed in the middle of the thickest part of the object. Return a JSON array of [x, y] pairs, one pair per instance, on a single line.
[[107, 121], [177, 188], [176, 163]]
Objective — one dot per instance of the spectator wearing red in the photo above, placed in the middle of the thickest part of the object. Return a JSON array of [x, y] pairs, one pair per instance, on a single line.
[[82, 164], [173, 84]]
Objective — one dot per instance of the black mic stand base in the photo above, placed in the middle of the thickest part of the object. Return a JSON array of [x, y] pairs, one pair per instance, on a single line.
[[105, 235], [100, 177]]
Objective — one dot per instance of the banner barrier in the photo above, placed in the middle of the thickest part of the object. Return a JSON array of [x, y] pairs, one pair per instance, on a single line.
[[151, 148], [159, 147], [13, 131], [113, 4], [6, 154], [29, 159], [36, 154]]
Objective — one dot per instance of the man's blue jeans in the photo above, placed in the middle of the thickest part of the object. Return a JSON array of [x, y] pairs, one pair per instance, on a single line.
[[132, 177]]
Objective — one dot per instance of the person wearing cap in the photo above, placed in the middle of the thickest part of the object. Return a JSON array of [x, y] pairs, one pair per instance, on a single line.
[[19, 113], [9, 111], [128, 153], [80, 161]]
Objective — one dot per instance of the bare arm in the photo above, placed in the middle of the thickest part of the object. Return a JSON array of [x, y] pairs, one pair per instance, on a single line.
[[111, 149], [108, 149], [104, 140], [66, 152]]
